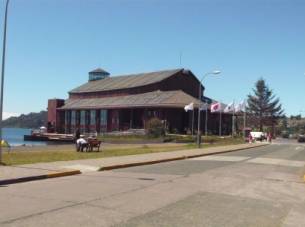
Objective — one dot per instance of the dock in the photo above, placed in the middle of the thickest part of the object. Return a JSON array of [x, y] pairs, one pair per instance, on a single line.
[[55, 137]]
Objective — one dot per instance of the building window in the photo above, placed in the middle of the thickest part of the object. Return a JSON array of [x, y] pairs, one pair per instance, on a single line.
[[92, 121], [92, 117], [152, 113], [103, 120], [82, 117], [73, 118], [77, 118], [67, 121]]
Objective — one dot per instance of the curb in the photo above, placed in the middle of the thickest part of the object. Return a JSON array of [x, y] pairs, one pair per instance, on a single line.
[[39, 177], [120, 166], [63, 174]]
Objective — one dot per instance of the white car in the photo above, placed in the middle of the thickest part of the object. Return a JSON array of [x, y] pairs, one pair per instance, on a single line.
[[258, 135]]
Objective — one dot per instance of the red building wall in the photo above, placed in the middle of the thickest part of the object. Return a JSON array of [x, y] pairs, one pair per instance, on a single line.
[[55, 117]]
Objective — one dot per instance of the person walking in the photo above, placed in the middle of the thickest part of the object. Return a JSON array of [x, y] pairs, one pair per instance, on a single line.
[[250, 138], [269, 137]]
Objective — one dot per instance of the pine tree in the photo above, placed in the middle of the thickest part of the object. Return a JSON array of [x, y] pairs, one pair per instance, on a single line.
[[264, 106]]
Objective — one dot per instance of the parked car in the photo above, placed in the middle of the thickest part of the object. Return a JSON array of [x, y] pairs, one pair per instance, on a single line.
[[301, 138], [293, 136], [258, 136]]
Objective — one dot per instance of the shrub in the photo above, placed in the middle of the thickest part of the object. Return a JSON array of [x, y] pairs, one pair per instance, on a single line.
[[155, 128]]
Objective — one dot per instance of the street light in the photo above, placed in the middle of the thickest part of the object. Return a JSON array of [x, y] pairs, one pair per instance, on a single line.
[[215, 72], [2, 76]]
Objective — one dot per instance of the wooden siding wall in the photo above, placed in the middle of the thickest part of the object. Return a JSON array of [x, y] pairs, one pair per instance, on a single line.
[[181, 81]]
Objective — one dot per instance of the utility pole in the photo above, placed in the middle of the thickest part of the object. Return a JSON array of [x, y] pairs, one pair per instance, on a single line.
[[2, 76], [200, 95]]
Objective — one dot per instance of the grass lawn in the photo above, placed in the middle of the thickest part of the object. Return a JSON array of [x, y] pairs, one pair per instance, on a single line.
[[64, 153]]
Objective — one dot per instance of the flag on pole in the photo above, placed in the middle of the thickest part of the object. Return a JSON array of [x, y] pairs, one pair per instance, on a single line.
[[203, 106], [216, 107], [189, 107], [229, 108], [241, 107]]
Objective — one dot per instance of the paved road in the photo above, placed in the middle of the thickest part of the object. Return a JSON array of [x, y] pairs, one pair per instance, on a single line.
[[255, 187]]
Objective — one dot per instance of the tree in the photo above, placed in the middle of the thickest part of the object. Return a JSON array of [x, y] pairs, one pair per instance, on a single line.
[[296, 117], [264, 106], [155, 128], [283, 123]]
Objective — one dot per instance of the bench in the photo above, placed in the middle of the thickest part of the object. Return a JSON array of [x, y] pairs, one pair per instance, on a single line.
[[94, 143]]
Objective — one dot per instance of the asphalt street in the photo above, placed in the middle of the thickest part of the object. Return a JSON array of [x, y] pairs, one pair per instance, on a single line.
[[255, 187]]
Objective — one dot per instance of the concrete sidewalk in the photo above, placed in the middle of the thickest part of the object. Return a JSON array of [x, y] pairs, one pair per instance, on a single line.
[[23, 173]]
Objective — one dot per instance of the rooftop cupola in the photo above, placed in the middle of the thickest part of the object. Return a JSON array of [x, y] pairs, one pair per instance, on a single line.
[[98, 74]]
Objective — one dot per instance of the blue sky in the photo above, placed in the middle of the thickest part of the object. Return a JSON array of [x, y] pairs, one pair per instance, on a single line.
[[52, 44]]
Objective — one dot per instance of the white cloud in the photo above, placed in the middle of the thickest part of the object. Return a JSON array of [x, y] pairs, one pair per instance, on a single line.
[[6, 115]]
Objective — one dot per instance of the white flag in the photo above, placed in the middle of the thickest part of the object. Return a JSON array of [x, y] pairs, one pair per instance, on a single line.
[[189, 107], [203, 106], [216, 107], [241, 107], [229, 108]]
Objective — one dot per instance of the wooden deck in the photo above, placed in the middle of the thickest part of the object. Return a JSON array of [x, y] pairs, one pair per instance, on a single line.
[[50, 137]]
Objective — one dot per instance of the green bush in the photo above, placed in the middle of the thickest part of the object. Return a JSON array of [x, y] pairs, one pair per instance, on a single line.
[[155, 128]]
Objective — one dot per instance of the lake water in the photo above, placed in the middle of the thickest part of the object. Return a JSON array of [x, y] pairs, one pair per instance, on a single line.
[[14, 136]]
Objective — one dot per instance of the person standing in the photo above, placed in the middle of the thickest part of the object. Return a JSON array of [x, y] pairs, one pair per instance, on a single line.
[[77, 134], [269, 137], [250, 138]]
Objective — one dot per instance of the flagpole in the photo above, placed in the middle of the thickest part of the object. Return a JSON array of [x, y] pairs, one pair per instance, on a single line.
[[193, 123], [206, 120], [198, 120], [2, 76], [200, 96], [245, 118], [220, 128], [233, 119]]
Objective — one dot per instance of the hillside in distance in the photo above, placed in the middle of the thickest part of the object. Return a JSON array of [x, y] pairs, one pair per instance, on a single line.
[[31, 120]]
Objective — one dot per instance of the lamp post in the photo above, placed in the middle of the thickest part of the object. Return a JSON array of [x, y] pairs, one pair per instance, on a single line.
[[215, 72], [2, 76]]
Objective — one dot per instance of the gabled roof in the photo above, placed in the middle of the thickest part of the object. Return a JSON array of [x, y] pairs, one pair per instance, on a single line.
[[150, 99], [125, 81]]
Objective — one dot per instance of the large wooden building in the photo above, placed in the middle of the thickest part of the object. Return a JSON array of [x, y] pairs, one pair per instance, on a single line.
[[113, 103]]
